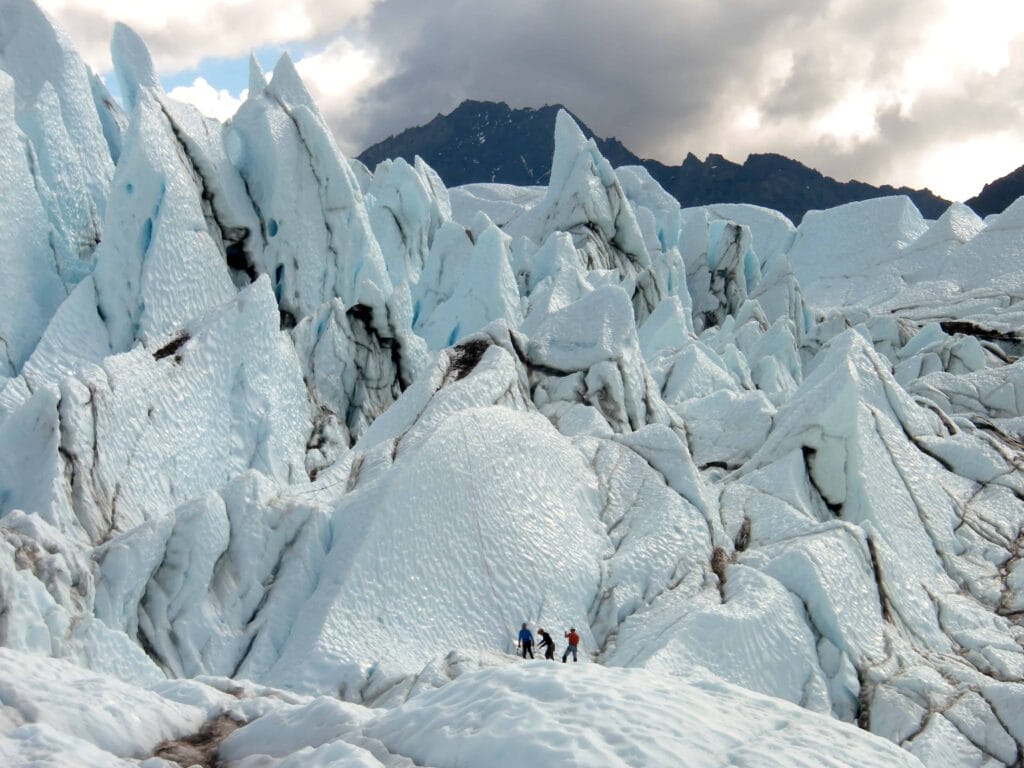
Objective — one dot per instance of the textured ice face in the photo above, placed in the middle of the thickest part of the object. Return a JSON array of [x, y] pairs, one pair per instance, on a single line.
[[340, 430], [32, 288], [68, 116]]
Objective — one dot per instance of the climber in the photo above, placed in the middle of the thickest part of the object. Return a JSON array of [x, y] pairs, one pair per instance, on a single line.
[[526, 641], [573, 640], [547, 644]]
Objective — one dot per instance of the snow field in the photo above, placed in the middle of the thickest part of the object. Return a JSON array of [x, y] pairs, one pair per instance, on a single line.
[[500, 715]]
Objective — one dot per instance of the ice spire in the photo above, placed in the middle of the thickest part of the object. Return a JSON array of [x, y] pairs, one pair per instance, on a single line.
[[257, 80], [585, 198], [132, 63], [287, 85], [572, 198]]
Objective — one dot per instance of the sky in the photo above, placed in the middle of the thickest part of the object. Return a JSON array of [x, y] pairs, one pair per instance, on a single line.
[[923, 93]]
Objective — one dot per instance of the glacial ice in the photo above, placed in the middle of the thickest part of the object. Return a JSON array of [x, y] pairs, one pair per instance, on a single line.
[[32, 289], [59, 105], [290, 447]]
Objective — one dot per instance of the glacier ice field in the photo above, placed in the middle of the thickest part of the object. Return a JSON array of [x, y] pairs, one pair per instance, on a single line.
[[291, 447]]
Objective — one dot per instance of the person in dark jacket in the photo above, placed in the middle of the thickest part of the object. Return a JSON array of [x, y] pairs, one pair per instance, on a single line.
[[547, 644], [526, 641]]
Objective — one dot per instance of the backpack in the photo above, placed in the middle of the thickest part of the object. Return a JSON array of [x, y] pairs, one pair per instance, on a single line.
[[574, 639]]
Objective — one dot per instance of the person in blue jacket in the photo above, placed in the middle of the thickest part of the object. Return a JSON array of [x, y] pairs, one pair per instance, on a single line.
[[526, 641]]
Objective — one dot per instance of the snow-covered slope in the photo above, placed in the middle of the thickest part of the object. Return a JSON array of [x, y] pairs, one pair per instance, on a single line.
[[495, 713], [290, 448]]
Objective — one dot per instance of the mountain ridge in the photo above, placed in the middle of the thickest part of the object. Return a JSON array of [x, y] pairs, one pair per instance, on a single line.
[[997, 195], [483, 141]]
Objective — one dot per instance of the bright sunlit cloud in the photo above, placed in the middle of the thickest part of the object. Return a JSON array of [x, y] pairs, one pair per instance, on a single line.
[[182, 33], [219, 104], [969, 164], [852, 120], [336, 78]]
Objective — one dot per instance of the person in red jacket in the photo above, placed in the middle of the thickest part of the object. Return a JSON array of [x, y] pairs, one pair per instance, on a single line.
[[573, 640]]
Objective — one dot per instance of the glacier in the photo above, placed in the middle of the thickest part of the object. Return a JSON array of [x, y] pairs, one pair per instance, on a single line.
[[290, 448]]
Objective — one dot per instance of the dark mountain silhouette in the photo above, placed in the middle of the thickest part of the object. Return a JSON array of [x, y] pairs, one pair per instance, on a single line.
[[485, 141], [488, 141], [997, 195]]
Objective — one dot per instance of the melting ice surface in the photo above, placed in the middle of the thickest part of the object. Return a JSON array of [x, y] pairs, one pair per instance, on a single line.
[[290, 447]]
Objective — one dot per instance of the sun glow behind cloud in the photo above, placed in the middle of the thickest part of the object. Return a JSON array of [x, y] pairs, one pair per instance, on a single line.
[[971, 163], [337, 77], [967, 43]]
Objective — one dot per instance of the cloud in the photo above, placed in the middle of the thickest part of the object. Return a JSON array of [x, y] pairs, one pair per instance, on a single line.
[[916, 92], [219, 104], [336, 77], [182, 33], [887, 93]]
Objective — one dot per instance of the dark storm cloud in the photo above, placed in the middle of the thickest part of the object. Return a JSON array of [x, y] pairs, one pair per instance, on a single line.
[[630, 69]]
